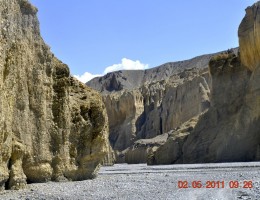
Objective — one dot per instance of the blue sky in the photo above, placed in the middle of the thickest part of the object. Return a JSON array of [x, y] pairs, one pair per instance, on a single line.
[[99, 36]]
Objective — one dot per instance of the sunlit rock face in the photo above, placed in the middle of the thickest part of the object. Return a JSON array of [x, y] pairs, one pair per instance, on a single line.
[[249, 37], [52, 127]]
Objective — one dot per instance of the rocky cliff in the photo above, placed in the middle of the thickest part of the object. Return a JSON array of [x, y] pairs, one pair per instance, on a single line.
[[230, 129], [145, 104], [51, 126], [171, 98], [166, 106], [208, 113]]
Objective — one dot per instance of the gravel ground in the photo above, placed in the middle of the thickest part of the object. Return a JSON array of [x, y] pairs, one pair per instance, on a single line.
[[153, 182]]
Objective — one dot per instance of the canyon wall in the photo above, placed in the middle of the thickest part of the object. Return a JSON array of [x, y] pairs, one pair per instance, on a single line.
[[52, 127], [145, 104], [207, 108], [230, 130], [155, 108]]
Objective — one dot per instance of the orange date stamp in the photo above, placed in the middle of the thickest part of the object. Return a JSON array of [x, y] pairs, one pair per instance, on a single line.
[[184, 184]]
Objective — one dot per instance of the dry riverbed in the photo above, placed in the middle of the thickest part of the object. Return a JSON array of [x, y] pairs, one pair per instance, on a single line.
[[227, 181]]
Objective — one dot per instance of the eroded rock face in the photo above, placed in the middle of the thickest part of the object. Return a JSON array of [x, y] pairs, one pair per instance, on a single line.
[[249, 37], [52, 127], [156, 108], [229, 131], [124, 109], [152, 109], [146, 104], [221, 134]]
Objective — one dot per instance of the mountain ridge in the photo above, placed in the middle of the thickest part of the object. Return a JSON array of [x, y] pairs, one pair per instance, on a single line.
[[130, 79]]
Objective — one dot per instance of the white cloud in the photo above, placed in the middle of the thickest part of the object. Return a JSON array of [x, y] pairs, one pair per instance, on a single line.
[[86, 77], [126, 64]]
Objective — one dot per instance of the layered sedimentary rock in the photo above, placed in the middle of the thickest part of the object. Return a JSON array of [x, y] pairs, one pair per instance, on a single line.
[[230, 129], [52, 127]]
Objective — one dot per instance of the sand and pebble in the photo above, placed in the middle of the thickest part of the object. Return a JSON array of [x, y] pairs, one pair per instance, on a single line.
[[140, 181]]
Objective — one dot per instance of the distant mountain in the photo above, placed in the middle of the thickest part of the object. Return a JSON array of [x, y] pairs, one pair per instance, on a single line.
[[130, 79]]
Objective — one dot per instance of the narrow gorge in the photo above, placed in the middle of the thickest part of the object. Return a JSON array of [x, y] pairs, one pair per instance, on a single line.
[[56, 128]]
